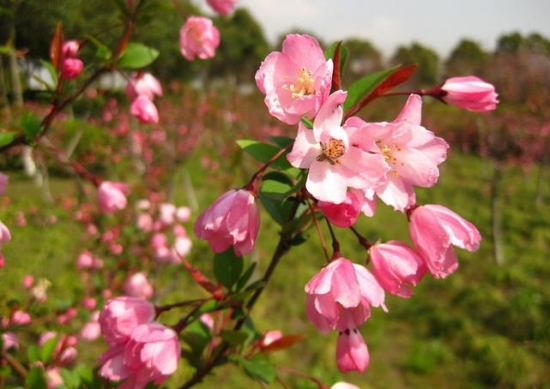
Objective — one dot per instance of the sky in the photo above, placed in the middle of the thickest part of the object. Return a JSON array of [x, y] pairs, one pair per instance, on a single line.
[[387, 24]]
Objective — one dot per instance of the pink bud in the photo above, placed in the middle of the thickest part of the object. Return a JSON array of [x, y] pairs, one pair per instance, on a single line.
[[28, 280], [111, 196], [71, 68], [144, 110], [70, 49], [199, 38], [270, 337], [9, 340], [20, 318], [470, 93], [223, 7], [352, 353], [232, 220]]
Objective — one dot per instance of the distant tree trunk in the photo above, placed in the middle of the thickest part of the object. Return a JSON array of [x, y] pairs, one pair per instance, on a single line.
[[496, 214]]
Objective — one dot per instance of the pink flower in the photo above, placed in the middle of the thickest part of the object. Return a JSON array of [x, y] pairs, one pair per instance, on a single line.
[[9, 340], [111, 196], [143, 84], [297, 80], [183, 214], [334, 163], [340, 296], [411, 151], [122, 315], [152, 352], [144, 110], [232, 220], [3, 183], [71, 68], [167, 213], [470, 93], [199, 38], [5, 235], [137, 285], [19, 318], [434, 229], [352, 353], [91, 330], [396, 267], [344, 214], [28, 281], [223, 7]]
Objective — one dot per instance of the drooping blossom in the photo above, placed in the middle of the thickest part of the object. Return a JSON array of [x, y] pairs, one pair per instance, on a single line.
[[143, 84], [137, 285], [5, 234], [223, 7], [232, 220], [396, 267], [434, 230], [334, 163], [352, 353], [342, 215], [470, 93], [340, 296], [412, 152], [121, 315], [296, 80], [111, 196], [199, 38], [151, 353], [144, 110]]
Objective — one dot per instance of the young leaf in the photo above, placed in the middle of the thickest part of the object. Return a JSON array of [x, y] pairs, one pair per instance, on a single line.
[[339, 55], [48, 348], [51, 69], [234, 338], [263, 152], [56, 47], [103, 52], [258, 368], [283, 343], [6, 138], [137, 56], [374, 85], [245, 277], [30, 123], [228, 267], [36, 378]]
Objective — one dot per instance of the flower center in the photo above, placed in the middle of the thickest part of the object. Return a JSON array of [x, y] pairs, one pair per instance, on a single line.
[[332, 150], [305, 85], [390, 158]]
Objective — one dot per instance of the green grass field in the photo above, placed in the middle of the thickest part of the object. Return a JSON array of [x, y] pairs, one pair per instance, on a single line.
[[487, 325]]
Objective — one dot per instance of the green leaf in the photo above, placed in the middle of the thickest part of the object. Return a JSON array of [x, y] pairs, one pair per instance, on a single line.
[[281, 141], [33, 353], [6, 49], [6, 138], [36, 379], [277, 185], [364, 86], [234, 338], [103, 51], [30, 123], [71, 379], [137, 56], [246, 277], [48, 348], [257, 368], [263, 152], [228, 267]]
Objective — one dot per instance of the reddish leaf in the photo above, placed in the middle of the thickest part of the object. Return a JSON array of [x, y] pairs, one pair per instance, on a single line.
[[202, 280], [56, 47], [336, 77], [285, 342]]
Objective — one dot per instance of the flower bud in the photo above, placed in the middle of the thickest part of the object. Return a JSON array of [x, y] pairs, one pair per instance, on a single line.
[[470, 93]]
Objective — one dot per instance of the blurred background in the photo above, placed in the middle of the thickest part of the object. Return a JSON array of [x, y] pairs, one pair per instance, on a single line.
[[487, 325]]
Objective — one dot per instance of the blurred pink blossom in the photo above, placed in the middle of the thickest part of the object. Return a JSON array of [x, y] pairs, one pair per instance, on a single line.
[[137, 285], [28, 280], [223, 7], [111, 196], [143, 84], [144, 110], [3, 183], [199, 38]]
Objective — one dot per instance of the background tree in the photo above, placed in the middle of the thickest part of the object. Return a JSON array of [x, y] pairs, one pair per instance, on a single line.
[[428, 71], [364, 58], [467, 58]]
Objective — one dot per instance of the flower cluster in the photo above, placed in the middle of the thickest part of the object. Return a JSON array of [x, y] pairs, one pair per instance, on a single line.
[[141, 90], [71, 65], [140, 349]]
